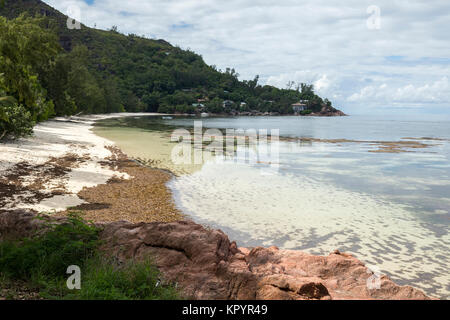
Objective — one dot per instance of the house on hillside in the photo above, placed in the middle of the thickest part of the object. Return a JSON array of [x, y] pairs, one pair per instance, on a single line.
[[298, 107], [227, 104]]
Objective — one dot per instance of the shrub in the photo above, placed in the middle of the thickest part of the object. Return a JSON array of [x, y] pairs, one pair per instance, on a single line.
[[15, 120], [41, 263], [305, 112], [166, 109], [49, 255]]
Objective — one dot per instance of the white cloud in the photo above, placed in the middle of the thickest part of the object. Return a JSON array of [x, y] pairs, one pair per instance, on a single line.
[[322, 84], [427, 93], [325, 42]]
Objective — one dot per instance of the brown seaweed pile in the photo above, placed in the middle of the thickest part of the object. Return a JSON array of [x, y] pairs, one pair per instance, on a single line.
[[142, 198]]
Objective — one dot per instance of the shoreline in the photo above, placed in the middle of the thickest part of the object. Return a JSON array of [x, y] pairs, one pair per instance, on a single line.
[[205, 265], [265, 114], [95, 174], [66, 157]]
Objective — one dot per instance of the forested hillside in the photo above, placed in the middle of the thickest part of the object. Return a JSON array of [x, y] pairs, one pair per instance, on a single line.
[[47, 69]]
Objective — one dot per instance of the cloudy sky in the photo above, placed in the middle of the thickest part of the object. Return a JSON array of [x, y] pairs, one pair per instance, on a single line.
[[364, 64]]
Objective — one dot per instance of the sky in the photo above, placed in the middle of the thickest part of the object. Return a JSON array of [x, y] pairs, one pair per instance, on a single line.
[[365, 56]]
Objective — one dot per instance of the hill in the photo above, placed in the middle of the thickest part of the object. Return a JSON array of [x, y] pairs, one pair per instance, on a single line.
[[101, 71]]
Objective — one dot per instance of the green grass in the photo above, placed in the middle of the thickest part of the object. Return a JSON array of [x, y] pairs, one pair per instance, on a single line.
[[40, 264], [105, 280], [49, 254]]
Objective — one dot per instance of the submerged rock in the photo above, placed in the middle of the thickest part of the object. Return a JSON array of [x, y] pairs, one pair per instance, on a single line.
[[206, 265]]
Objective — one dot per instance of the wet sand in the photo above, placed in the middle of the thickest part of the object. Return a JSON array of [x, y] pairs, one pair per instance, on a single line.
[[65, 166]]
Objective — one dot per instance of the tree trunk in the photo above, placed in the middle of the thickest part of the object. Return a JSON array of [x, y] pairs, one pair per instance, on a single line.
[[3, 134]]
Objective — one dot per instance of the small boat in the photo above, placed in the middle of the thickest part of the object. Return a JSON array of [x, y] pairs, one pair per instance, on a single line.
[[167, 118], [204, 115]]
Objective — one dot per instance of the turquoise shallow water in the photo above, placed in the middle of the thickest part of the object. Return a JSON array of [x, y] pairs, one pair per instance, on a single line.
[[391, 210]]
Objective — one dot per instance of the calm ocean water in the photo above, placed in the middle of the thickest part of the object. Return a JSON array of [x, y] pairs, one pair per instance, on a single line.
[[391, 210]]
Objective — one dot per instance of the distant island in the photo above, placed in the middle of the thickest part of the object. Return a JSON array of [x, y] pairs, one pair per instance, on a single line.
[[55, 70]]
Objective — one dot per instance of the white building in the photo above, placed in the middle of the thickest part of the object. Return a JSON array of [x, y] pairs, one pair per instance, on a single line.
[[298, 107]]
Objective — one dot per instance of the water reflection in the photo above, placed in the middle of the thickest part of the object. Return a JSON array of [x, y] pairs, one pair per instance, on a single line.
[[389, 209]]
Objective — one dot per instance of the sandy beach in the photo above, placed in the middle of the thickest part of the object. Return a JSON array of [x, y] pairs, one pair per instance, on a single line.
[[65, 165]]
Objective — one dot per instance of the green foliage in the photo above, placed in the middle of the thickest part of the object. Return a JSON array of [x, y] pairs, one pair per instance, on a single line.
[[106, 71], [112, 96], [48, 256], [26, 50], [56, 80], [305, 112], [179, 97], [215, 105], [166, 109], [106, 280], [41, 263], [45, 81], [133, 103], [7, 100], [152, 101], [15, 120]]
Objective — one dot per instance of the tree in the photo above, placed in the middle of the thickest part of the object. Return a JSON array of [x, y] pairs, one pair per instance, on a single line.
[[112, 96], [289, 85], [215, 106], [14, 118], [133, 103], [307, 89], [118, 72], [82, 85], [164, 108], [252, 84], [152, 101], [25, 50], [56, 82]]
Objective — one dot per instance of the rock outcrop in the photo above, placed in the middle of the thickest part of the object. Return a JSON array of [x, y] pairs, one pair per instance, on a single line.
[[327, 111], [206, 265]]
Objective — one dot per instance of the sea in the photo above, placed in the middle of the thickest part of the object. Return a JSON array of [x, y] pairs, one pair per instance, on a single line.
[[374, 186]]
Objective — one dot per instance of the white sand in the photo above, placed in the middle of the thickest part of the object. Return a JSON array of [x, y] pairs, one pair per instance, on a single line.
[[57, 138]]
